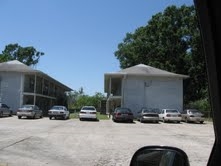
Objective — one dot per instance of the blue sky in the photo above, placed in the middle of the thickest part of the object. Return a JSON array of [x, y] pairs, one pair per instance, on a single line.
[[78, 37]]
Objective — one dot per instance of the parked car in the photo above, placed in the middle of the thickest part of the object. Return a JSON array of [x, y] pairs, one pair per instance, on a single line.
[[88, 112], [58, 111], [170, 115], [29, 111], [148, 115], [5, 110], [192, 115], [122, 114]]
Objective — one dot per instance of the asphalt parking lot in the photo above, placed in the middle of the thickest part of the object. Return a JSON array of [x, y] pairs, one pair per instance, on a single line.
[[44, 142]]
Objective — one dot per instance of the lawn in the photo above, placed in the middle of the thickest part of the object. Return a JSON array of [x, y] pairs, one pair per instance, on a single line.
[[100, 116]]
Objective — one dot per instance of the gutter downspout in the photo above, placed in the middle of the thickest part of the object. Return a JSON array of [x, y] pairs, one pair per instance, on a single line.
[[123, 89], [35, 89]]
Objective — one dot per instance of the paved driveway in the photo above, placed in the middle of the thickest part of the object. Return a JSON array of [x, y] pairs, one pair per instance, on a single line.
[[44, 142]]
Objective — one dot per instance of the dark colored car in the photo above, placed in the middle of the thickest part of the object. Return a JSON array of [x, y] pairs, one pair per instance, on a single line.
[[29, 111], [192, 115], [5, 110], [148, 115], [122, 114]]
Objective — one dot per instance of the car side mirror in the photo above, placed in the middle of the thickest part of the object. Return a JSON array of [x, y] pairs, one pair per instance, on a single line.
[[159, 156]]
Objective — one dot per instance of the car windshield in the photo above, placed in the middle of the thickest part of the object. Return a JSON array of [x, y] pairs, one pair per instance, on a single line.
[[27, 107], [195, 111], [57, 108], [149, 111], [123, 110], [88, 108], [172, 111]]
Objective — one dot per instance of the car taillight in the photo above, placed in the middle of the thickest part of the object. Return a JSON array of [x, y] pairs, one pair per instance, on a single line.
[[93, 112], [83, 112], [168, 115]]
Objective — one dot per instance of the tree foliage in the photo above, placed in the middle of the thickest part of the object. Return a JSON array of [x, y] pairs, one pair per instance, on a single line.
[[77, 99], [27, 55], [170, 41]]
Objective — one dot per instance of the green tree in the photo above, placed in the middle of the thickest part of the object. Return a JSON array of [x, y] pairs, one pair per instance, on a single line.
[[73, 96], [27, 55], [84, 99], [170, 41]]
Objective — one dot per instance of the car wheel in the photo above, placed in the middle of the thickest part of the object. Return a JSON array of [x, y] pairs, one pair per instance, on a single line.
[[10, 113], [164, 120], [1, 114], [19, 117], [80, 119], [178, 121], [201, 122]]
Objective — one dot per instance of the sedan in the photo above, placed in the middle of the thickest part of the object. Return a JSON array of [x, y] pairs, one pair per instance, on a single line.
[[58, 111], [192, 115], [29, 111], [88, 112], [122, 114], [148, 115], [170, 115], [5, 110]]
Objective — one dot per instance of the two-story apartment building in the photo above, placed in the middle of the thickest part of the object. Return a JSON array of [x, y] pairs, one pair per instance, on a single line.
[[21, 84], [143, 86]]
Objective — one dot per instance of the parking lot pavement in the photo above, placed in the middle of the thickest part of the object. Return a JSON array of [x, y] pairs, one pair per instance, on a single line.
[[44, 142]]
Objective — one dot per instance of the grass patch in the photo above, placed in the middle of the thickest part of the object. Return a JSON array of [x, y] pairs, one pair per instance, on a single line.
[[99, 116], [102, 116]]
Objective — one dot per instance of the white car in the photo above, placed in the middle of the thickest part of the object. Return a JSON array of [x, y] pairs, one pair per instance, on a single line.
[[170, 115], [88, 112], [58, 111]]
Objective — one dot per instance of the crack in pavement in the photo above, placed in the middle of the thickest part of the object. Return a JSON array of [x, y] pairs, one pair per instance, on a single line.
[[15, 143]]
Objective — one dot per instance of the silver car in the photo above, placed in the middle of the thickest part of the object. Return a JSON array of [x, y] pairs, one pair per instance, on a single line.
[[192, 115], [29, 111], [5, 110], [59, 111], [148, 115], [170, 115]]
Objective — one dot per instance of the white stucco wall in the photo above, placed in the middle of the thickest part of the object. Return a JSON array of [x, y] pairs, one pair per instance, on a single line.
[[10, 89], [153, 93]]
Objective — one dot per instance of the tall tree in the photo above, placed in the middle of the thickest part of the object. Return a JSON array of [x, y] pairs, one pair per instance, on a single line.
[[27, 55], [170, 41]]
